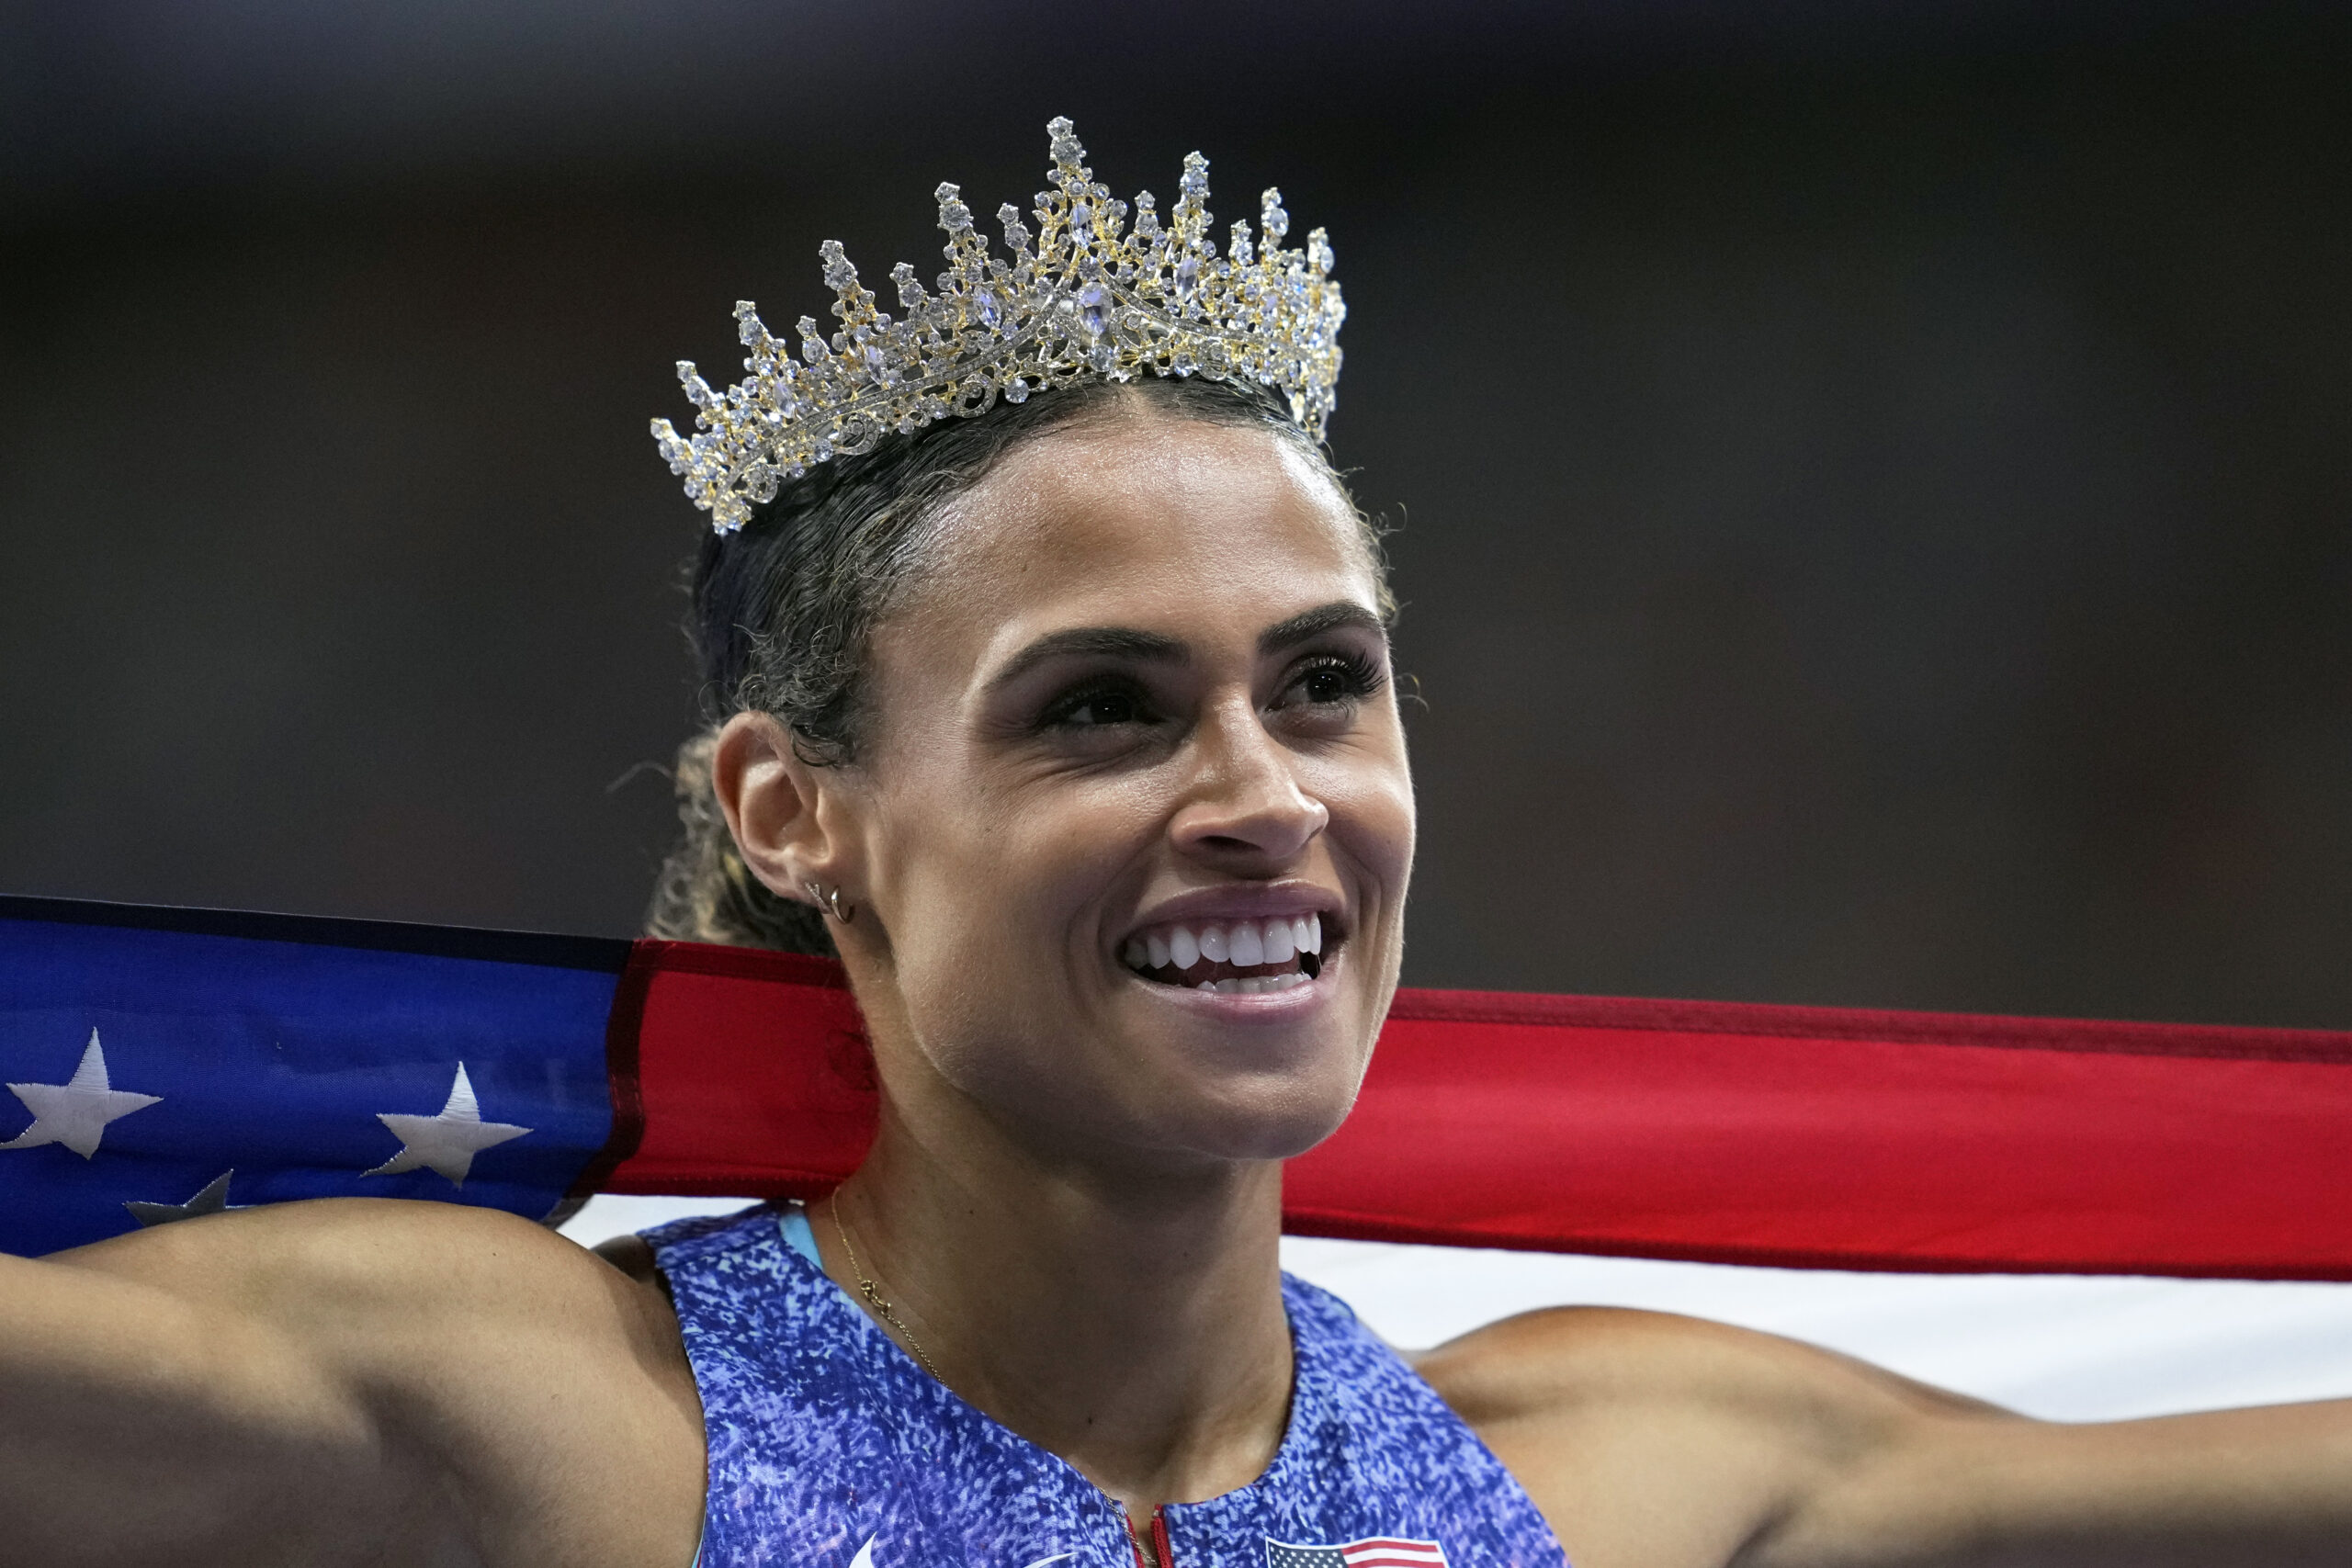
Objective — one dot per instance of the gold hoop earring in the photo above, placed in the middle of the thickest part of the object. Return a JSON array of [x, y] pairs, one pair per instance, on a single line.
[[831, 901]]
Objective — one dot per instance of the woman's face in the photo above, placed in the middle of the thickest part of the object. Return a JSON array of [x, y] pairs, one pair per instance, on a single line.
[[1134, 745]]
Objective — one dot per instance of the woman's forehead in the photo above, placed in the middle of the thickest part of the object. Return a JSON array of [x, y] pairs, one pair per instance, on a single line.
[[1155, 524]]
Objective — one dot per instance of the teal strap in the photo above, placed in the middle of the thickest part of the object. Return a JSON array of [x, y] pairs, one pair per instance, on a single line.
[[794, 1222]]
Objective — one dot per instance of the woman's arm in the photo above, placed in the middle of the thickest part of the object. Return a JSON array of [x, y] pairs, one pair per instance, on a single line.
[[2270, 1486], [139, 1424], [323, 1383], [1653, 1441]]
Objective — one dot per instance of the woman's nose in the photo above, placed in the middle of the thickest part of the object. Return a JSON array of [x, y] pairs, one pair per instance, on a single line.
[[1244, 800]]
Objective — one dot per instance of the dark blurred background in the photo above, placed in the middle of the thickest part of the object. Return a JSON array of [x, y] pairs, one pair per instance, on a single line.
[[1875, 478]]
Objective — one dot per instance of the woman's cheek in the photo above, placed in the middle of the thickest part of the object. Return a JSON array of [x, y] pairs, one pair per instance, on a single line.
[[1374, 827]]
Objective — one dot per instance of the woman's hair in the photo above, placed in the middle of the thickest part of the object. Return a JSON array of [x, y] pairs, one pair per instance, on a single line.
[[783, 611]]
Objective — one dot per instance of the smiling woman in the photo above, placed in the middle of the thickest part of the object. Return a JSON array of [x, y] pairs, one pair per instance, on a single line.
[[1112, 817], [1067, 721]]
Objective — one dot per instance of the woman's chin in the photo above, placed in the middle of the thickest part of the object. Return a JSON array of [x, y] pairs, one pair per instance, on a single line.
[[1269, 1135], [1247, 1075], [1179, 1076], [1258, 1112]]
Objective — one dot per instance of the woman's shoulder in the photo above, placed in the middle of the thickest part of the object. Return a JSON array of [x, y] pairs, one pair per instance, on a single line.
[[1565, 1361], [362, 1258], [545, 1387], [463, 1309], [1648, 1437]]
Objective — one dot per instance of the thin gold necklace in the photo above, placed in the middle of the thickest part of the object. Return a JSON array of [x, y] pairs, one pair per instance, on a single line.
[[1147, 1549], [873, 1293]]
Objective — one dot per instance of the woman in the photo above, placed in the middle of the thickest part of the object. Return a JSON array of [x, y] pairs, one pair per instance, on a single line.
[[1069, 724]]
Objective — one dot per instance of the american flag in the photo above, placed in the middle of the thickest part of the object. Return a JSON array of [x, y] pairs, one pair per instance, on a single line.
[[1381, 1552]]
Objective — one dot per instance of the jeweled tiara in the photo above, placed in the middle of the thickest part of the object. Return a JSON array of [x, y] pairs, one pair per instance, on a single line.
[[1090, 298]]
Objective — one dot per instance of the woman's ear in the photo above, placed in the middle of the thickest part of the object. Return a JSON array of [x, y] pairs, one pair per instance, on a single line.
[[776, 805]]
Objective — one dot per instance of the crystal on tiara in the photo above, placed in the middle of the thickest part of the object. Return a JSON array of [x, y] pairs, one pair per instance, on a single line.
[[1089, 297]]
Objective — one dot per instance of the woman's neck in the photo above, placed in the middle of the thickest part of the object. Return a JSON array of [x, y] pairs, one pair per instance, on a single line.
[[1131, 1324]]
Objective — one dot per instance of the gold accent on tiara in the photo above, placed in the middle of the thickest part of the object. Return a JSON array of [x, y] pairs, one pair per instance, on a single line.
[[1092, 298]]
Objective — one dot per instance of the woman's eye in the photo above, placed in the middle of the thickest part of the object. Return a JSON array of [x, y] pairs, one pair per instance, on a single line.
[[1112, 709], [1089, 710], [1326, 685], [1330, 681]]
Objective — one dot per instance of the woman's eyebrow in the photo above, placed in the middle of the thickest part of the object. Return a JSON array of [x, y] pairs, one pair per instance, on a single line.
[[1316, 622], [1156, 648], [1096, 642]]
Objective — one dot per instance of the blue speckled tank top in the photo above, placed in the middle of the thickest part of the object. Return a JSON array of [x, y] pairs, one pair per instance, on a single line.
[[829, 1448]]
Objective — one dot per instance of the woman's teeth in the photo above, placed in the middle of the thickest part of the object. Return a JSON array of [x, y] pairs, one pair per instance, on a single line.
[[1250, 985], [1207, 955]]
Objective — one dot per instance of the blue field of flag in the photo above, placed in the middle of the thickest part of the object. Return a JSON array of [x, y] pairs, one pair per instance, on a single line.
[[191, 1062]]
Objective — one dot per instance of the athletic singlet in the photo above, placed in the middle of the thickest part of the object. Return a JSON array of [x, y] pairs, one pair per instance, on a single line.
[[831, 1447]]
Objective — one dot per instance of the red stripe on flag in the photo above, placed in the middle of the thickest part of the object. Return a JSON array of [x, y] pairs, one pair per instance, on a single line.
[[752, 1075], [1803, 1136], [1392, 1554], [1813, 1137]]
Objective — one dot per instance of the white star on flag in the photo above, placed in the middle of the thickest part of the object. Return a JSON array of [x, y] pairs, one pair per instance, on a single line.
[[76, 1112], [446, 1143]]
